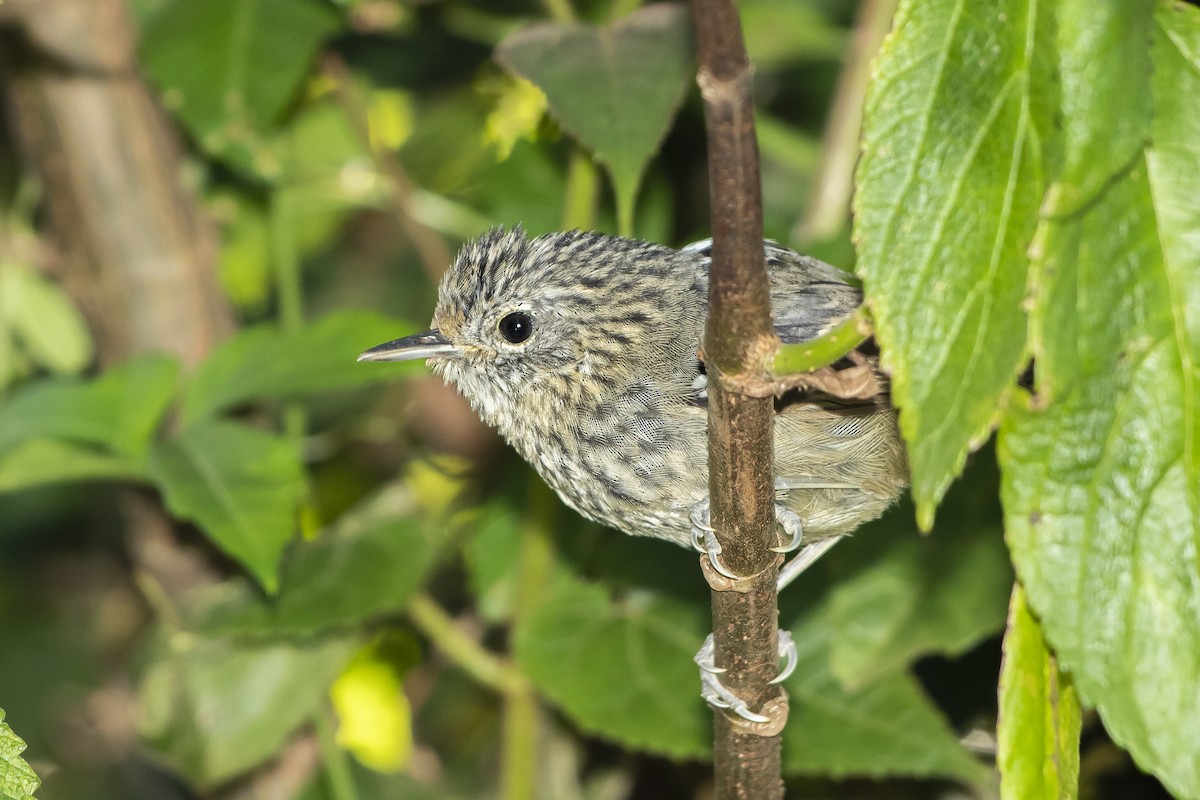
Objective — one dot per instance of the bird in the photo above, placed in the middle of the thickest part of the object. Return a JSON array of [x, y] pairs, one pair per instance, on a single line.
[[583, 350]]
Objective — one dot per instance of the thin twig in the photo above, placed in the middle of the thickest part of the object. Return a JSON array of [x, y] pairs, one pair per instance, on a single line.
[[428, 243], [746, 763]]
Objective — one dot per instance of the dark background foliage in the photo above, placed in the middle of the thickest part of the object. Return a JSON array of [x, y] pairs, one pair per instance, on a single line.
[[235, 563]]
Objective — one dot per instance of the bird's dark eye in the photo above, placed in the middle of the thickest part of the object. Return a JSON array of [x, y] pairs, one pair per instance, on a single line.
[[516, 327]]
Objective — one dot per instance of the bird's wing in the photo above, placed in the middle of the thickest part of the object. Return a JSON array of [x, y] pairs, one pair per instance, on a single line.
[[808, 297]]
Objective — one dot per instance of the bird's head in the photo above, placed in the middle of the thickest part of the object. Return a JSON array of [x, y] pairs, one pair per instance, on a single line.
[[542, 326]]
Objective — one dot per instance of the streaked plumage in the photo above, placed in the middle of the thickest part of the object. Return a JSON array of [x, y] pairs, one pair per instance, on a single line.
[[606, 398]]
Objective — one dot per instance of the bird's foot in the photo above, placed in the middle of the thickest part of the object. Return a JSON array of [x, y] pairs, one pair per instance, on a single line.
[[704, 537], [718, 696], [790, 522]]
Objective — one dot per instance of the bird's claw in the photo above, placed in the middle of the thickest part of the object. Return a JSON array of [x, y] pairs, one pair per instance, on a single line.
[[787, 649], [704, 537], [790, 522], [715, 693]]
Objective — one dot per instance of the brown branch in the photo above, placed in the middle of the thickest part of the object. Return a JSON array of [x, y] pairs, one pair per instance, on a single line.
[[137, 252], [745, 616]]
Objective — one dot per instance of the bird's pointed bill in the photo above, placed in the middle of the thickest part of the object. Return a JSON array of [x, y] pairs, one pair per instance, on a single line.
[[427, 344]]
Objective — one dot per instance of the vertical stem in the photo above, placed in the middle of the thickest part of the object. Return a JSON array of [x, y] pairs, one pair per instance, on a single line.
[[621, 8], [518, 775], [337, 766], [828, 206], [290, 293], [559, 10], [521, 713], [737, 337], [579, 203]]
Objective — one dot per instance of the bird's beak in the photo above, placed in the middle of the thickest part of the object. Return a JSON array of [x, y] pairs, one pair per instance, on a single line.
[[428, 344]]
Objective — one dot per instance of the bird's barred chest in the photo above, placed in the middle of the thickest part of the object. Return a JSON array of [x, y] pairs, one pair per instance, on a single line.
[[636, 462]]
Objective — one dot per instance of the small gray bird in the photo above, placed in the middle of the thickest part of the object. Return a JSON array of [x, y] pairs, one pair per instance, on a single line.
[[581, 350]]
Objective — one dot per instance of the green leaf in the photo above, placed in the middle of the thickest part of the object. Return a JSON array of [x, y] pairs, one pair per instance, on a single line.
[[949, 185], [492, 555], [228, 68], [898, 595], [1102, 467], [620, 669], [264, 363], [370, 565], [887, 727], [1038, 728], [119, 410], [43, 319], [1104, 53], [17, 779], [42, 462], [215, 710], [242, 486], [615, 88], [783, 32]]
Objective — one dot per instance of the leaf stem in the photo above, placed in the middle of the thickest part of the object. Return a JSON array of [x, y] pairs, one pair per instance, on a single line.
[[825, 349], [579, 201], [466, 653], [290, 294], [559, 10], [337, 764]]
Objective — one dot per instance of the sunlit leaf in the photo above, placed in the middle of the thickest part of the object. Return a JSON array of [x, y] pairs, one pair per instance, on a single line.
[[1038, 730], [1102, 465], [949, 184], [17, 780], [374, 716]]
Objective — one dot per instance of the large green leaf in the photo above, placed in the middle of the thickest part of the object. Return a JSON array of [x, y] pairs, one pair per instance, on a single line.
[[266, 364], [955, 145], [42, 462], [17, 780], [620, 669], [215, 710], [614, 88], [1038, 728], [118, 410], [228, 68], [242, 486], [898, 595], [1102, 466], [887, 727], [369, 565]]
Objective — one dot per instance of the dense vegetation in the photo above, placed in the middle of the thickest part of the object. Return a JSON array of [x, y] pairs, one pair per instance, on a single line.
[[362, 593]]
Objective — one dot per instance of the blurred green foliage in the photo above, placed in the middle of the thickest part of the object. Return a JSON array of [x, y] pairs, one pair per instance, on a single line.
[[373, 539]]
